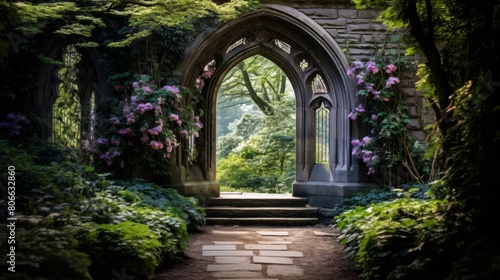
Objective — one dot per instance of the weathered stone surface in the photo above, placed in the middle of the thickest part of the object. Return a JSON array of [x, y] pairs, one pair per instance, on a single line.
[[265, 247], [227, 242], [275, 242], [218, 247], [227, 253], [322, 233], [320, 13], [234, 267], [272, 260], [348, 13], [272, 233], [238, 274], [290, 254], [222, 260]]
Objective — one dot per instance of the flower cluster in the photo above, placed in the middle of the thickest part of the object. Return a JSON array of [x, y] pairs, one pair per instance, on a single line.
[[14, 124], [152, 118], [377, 83], [208, 71], [361, 150]]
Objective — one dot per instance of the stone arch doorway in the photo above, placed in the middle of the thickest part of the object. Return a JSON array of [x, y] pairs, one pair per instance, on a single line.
[[316, 68]]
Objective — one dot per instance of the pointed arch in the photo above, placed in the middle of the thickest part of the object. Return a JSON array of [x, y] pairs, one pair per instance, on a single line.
[[304, 54]]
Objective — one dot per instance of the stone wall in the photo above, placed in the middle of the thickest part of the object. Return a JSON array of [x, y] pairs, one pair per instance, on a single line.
[[357, 32]]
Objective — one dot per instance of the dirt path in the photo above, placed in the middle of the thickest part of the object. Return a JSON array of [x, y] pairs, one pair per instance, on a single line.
[[313, 253]]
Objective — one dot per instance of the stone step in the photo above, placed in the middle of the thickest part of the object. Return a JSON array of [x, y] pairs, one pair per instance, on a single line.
[[281, 212], [254, 200], [261, 221]]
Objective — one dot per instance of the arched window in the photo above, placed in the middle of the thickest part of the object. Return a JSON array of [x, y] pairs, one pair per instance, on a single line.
[[74, 104], [67, 110], [318, 85], [322, 134]]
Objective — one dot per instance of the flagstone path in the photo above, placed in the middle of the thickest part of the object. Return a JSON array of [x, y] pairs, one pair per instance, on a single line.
[[255, 253]]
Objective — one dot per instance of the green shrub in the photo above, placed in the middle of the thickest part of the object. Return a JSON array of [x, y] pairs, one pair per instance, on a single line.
[[124, 245], [45, 253], [385, 235]]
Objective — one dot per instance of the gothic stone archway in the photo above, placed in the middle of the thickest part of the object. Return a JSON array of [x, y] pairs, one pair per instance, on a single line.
[[316, 67]]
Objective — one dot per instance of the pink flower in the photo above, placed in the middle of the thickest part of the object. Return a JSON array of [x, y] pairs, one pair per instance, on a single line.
[[173, 117], [124, 131], [198, 126], [376, 94], [196, 134], [372, 67], [391, 81], [114, 121], [366, 140], [147, 89], [374, 117], [173, 89], [130, 118], [184, 132], [155, 145], [358, 64], [155, 130], [143, 107], [360, 77], [135, 84], [101, 141], [360, 108], [179, 122], [355, 142], [208, 73], [352, 115], [126, 110], [391, 68]]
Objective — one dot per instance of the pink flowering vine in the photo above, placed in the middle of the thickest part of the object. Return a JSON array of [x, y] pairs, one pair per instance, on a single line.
[[146, 124], [377, 84]]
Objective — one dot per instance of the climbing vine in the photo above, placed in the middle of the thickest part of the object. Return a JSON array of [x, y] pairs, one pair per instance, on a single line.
[[388, 143]]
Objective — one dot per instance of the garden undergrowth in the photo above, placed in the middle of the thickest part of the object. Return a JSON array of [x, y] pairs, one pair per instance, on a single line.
[[74, 223]]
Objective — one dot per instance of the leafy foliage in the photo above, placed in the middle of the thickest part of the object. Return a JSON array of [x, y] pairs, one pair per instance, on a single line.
[[136, 137], [388, 144], [90, 219], [383, 230], [259, 152]]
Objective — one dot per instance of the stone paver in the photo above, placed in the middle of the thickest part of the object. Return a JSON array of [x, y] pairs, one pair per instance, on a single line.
[[272, 233], [227, 242], [239, 253], [272, 260], [218, 247], [291, 254], [275, 242], [261, 261], [265, 247], [238, 274], [233, 259], [235, 267]]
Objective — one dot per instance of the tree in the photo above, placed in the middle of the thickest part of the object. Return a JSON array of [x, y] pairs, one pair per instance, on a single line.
[[260, 79], [458, 41], [261, 146]]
